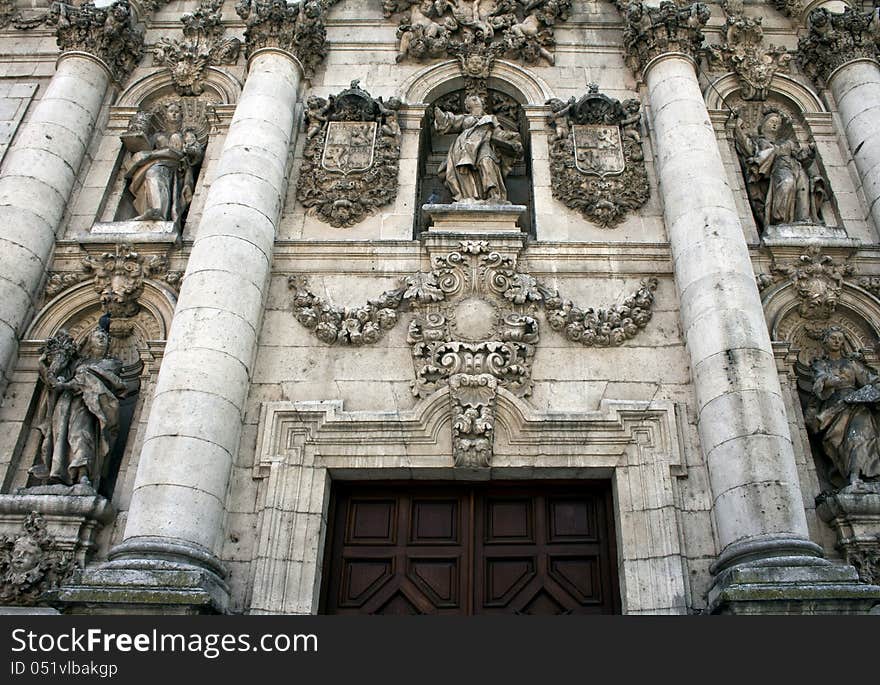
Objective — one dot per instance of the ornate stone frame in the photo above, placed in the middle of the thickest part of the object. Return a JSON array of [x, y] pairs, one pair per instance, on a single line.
[[303, 446]]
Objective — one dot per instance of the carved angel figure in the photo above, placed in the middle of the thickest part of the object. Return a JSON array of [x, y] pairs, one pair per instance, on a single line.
[[162, 177], [81, 415], [845, 410], [481, 156], [783, 189]]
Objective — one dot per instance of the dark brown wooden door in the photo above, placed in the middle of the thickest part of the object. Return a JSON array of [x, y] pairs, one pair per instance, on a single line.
[[410, 548]]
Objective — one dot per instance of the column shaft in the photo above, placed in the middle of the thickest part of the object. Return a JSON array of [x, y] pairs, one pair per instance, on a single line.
[[758, 508], [856, 89], [35, 185], [193, 432]]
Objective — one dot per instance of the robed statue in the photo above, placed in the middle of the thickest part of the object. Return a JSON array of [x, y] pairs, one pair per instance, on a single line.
[[480, 157]]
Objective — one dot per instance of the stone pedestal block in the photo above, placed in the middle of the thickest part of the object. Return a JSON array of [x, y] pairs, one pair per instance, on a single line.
[[465, 217], [854, 514]]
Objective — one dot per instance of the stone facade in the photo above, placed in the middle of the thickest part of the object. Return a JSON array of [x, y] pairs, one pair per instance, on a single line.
[[664, 276]]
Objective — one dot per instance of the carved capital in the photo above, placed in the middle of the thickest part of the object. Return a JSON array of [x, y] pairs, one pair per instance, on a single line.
[[834, 39], [31, 564], [650, 32], [297, 29], [205, 44], [108, 33]]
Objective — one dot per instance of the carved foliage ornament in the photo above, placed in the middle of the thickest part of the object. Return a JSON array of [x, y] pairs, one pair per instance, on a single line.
[[596, 161], [520, 29], [833, 39], [119, 278], [297, 28], [744, 52], [473, 330], [204, 45], [31, 564], [652, 31], [106, 32], [350, 157]]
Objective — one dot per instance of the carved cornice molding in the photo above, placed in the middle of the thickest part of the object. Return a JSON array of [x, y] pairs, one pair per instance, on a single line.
[[835, 39], [107, 33], [297, 29], [205, 45], [650, 32]]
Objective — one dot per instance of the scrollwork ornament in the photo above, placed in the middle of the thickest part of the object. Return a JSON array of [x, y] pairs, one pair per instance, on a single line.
[[119, 277], [597, 164], [351, 156], [31, 564]]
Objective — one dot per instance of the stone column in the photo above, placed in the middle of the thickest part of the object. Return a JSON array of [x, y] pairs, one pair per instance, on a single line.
[[757, 503], [97, 46], [175, 521], [839, 53]]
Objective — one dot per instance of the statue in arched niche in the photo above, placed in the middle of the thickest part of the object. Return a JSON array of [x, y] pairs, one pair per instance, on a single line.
[[80, 419], [167, 146], [844, 410], [480, 157]]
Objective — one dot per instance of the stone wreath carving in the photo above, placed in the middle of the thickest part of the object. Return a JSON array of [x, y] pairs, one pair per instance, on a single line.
[[31, 564], [350, 157], [520, 29], [473, 330], [205, 44], [597, 165]]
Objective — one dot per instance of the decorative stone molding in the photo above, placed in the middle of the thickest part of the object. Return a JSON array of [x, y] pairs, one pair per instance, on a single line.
[[108, 33], [472, 330], [294, 28], [119, 277], [817, 279], [205, 44], [518, 30], [834, 39], [597, 165], [653, 31], [350, 157], [744, 52], [854, 515], [23, 19], [31, 564]]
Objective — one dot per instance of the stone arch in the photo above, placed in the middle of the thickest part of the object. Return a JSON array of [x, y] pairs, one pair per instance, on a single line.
[[437, 80], [798, 96], [221, 87]]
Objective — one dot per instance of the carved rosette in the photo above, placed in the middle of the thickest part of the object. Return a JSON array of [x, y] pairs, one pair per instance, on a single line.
[[518, 30], [833, 39], [473, 330], [597, 165], [653, 31], [31, 564], [205, 44], [295, 28], [351, 156], [744, 53], [119, 278], [108, 33]]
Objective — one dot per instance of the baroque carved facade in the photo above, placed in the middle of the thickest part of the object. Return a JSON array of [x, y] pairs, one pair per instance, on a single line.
[[284, 285]]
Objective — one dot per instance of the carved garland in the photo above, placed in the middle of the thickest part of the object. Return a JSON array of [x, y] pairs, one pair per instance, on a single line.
[[596, 161], [350, 157], [473, 331]]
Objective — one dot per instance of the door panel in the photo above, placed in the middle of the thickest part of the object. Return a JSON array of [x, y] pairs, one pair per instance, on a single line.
[[414, 548]]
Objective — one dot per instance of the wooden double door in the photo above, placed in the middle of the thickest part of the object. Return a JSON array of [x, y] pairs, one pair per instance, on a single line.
[[441, 548]]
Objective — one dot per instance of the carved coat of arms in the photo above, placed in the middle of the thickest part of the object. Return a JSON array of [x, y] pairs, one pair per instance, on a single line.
[[350, 157], [596, 162]]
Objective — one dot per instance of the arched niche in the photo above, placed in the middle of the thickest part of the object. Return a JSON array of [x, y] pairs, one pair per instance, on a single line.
[[220, 87], [723, 90]]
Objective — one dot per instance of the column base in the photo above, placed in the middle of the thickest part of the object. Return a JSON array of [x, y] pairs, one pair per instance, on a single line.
[[792, 586], [157, 590]]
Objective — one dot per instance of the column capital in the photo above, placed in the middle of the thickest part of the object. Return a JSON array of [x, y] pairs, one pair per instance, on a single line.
[[836, 39], [295, 29], [106, 33], [650, 32]]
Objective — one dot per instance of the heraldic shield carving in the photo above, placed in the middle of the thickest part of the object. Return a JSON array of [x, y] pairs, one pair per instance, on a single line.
[[596, 162], [350, 157]]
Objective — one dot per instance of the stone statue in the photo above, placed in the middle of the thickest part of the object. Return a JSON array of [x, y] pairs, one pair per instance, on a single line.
[[845, 410], [481, 156], [161, 176], [782, 188], [81, 419]]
